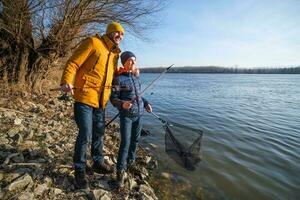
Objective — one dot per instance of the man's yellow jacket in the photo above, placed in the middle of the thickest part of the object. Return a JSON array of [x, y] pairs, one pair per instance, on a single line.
[[91, 69]]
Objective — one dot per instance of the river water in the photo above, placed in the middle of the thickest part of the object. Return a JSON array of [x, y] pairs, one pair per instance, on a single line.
[[251, 124]]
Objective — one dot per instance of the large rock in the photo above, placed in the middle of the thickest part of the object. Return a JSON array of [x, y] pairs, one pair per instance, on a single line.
[[48, 138], [2, 194], [20, 183], [9, 114], [30, 144], [29, 135], [148, 159], [131, 183], [50, 153], [101, 194], [103, 184], [48, 180], [13, 131], [144, 196], [166, 175], [56, 191], [26, 196], [143, 173], [153, 145], [144, 189], [40, 189], [18, 139], [4, 141], [18, 121], [39, 108], [108, 160]]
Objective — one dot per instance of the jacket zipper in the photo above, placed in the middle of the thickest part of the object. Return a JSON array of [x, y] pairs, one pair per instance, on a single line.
[[93, 69], [106, 66], [137, 97]]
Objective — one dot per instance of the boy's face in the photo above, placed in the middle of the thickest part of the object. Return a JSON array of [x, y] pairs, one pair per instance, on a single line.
[[130, 63]]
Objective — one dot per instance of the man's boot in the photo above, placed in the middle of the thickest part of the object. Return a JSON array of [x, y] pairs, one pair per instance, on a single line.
[[102, 168], [81, 182], [120, 178]]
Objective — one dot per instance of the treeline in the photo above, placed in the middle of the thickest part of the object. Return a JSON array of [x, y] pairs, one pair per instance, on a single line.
[[226, 70]]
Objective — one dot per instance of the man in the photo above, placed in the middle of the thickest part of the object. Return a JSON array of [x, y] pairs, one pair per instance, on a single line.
[[91, 69]]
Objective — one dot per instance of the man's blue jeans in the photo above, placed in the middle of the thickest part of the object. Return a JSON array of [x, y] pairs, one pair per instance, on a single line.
[[91, 124], [130, 129]]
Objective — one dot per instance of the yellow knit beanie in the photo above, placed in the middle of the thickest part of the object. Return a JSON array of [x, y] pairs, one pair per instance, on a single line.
[[113, 27]]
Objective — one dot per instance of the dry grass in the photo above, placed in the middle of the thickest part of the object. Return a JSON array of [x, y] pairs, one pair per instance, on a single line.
[[23, 90], [52, 80]]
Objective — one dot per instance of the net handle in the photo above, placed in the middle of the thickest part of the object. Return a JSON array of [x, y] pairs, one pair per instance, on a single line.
[[160, 119], [164, 122]]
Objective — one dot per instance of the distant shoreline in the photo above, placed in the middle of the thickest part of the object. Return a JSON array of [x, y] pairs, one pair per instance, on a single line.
[[224, 70]]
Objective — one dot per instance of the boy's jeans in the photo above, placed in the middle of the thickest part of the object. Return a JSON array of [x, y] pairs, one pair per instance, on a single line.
[[91, 124], [130, 129]]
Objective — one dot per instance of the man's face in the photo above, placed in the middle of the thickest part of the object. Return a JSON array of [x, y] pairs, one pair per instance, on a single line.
[[116, 37]]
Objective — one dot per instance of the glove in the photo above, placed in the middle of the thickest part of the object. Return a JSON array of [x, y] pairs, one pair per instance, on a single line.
[[67, 88]]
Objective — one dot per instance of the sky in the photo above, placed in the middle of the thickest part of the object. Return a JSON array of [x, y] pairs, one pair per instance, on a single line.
[[229, 33]]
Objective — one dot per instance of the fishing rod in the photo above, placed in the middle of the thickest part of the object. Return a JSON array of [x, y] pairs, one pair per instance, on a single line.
[[95, 87], [165, 71], [150, 84], [116, 87]]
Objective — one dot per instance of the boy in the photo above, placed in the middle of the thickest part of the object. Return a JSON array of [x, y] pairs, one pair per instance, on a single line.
[[130, 105]]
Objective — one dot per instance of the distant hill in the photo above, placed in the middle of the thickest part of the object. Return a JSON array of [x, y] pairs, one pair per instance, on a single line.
[[215, 69]]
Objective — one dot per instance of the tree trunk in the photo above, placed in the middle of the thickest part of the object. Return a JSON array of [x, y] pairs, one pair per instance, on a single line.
[[22, 65]]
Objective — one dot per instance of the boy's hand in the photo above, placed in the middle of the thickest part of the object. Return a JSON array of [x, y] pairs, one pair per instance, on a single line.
[[149, 108], [136, 71], [126, 105]]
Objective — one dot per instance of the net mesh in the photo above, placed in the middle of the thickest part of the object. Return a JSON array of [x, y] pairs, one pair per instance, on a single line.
[[186, 152]]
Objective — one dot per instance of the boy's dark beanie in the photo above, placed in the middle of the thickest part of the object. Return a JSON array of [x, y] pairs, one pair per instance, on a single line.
[[125, 56]]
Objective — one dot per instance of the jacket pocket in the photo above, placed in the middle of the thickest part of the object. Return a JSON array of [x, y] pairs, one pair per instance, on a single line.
[[91, 83]]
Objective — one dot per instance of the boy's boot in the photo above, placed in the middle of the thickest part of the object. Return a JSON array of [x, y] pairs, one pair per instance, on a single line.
[[120, 178]]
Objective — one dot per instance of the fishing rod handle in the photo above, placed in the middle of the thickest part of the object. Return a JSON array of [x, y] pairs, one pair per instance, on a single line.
[[55, 89], [75, 88]]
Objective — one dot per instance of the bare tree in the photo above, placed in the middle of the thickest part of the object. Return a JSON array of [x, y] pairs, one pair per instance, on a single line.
[[36, 33]]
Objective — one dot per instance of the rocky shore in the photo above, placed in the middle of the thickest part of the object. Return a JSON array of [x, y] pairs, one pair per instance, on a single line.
[[36, 147]]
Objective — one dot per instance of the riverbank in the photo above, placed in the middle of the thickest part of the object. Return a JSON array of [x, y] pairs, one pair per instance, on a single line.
[[37, 140]]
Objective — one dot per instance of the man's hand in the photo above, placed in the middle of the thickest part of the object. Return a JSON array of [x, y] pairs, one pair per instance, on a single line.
[[149, 108], [126, 105], [67, 88]]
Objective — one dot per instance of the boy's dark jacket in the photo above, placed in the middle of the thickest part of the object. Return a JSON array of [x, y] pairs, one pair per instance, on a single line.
[[128, 88]]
